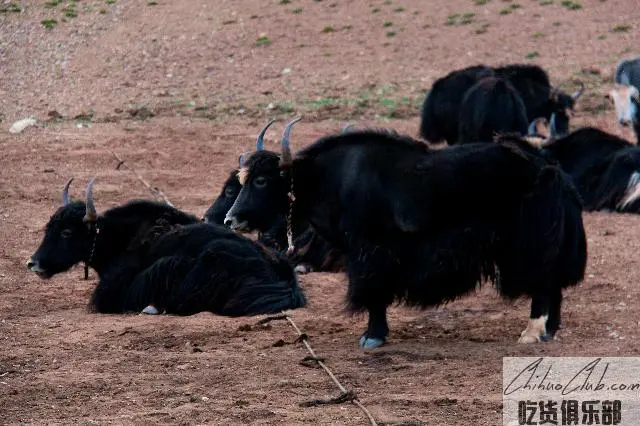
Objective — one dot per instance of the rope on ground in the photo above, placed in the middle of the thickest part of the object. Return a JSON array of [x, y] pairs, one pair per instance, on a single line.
[[155, 191], [345, 395]]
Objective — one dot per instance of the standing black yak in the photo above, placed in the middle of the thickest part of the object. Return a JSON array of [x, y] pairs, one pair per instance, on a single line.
[[151, 257], [311, 252], [489, 107], [440, 114], [408, 219]]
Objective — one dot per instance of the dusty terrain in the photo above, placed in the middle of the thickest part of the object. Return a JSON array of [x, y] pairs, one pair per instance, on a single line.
[[179, 89]]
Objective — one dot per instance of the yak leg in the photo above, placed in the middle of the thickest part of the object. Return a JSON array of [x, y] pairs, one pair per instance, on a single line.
[[377, 329], [536, 330], [555, 305]]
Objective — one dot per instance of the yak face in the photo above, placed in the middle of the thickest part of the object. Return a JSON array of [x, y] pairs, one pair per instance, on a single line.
[[625, 100], [218, 210], [66, 241], [263, 197]]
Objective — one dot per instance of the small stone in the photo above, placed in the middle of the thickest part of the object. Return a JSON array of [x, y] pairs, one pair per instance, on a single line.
[[286, 71], [20, 125]]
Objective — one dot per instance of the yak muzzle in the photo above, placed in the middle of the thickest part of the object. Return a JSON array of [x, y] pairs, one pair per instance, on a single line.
[[34, 266], [233, 223]]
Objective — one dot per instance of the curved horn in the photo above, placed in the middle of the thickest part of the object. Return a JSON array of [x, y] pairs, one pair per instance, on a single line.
[[533, 127], [260, 141], [553, 132], [90, 215], [347, 128], [284, 142], [580, 91], [65, 192]]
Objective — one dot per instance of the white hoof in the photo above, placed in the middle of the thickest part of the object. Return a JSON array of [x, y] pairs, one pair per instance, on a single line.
[[535, 332], [150, 310], [302, 269]]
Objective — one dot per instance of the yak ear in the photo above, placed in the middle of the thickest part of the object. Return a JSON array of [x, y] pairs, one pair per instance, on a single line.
[[243, 158], [286, 159], [91, 215]]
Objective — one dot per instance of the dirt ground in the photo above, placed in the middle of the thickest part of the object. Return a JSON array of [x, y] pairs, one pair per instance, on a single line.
[[179, 89]]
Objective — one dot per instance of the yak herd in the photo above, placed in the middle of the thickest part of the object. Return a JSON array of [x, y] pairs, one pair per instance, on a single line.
[[407, 222]]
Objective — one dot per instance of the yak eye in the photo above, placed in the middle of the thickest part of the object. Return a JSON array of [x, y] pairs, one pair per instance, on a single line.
[[260, 182], [230, 192], [66, 233]]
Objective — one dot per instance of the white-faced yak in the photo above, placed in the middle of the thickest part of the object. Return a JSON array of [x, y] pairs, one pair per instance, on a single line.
[[427, 226], [154, 258], [311, 252], [440, 115]]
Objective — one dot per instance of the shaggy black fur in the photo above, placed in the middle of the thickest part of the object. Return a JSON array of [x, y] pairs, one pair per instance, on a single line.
[[147, 253], [426, 226]]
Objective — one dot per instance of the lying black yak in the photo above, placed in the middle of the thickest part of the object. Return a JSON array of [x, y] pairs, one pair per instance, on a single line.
[[154, 258]]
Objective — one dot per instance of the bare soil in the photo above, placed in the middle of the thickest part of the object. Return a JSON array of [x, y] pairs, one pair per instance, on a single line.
[[179, 89]]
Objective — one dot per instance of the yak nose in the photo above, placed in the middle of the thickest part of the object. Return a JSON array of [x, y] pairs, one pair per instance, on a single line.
[[34, 265], [228, 221], [30, 263]]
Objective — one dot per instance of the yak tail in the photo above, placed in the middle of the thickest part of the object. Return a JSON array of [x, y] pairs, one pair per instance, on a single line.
[[548, 245], [632, 194]]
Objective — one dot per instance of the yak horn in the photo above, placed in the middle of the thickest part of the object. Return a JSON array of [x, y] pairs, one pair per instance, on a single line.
[[91, 215], [260, 141], [553, 133], [533, 127], [347, 128], [65, 192], [287, 159], [580, 91]]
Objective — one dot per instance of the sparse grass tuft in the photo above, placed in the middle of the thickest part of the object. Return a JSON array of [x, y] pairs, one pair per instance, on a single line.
[[11, 7], [515, 6], [387, 24], [531, 55], [467, 18], [152, 3], [602, 37], [538, 34], [546, 2], [505, 11], [375, 10], [391, 33], [70, 11], [110, 1], [229, 22], [263, 40], [49, 23], [399, 9], [571, 5], [481, 2], [52, 3], [622, 28], [103, 11], [328, 29], [452, 19], [483, 29], [297, 11], [557, 24]]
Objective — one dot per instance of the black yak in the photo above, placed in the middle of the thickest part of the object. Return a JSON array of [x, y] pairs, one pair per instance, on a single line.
[[489, 107], [311, 252], [406, 217], [440, 110], [604, 168], [151, 257]]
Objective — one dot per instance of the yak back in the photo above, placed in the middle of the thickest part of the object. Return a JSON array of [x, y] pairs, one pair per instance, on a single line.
[[584, 148], [378, 183]]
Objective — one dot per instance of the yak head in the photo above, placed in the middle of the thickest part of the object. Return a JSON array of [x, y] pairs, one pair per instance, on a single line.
[[562, 107], [221, 205], [626, 100], [68, 236], [263, 197]]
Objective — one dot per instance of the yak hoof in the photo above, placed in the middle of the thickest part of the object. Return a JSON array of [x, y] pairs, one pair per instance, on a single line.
[[150, 310], [370, 342], [302, 269], [535, 331]]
